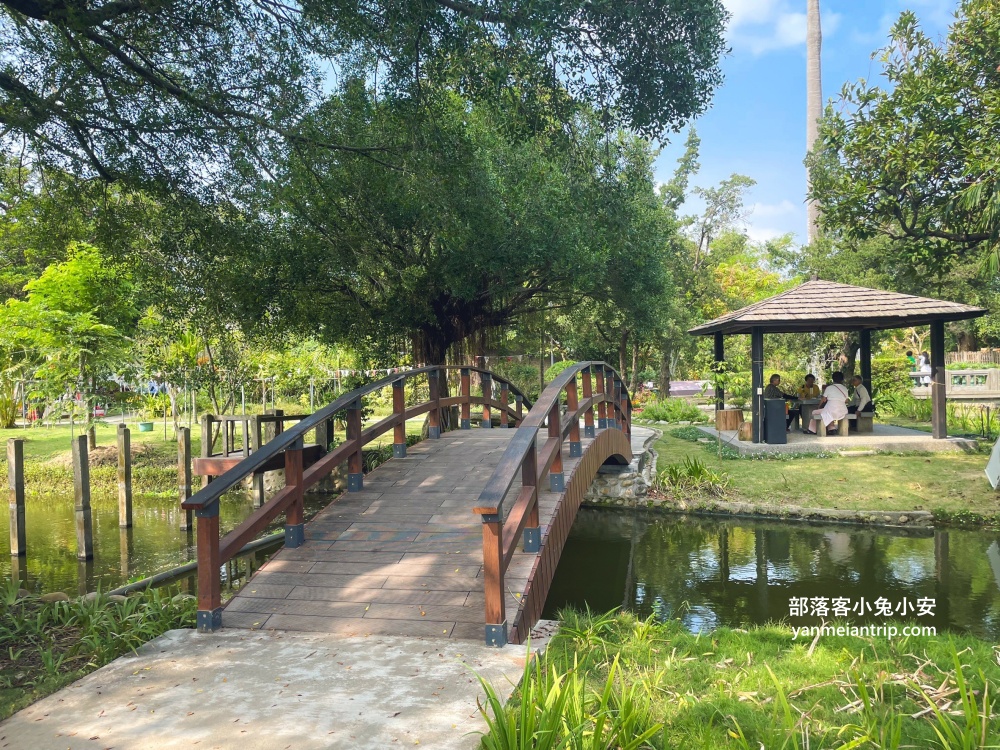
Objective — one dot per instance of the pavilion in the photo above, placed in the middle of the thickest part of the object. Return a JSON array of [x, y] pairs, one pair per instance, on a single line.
[[824, 306]]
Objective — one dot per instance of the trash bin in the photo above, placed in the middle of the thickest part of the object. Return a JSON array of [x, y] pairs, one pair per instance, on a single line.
[[774, 421]]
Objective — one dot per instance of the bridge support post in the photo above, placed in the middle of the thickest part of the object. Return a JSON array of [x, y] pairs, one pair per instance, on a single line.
[[355, 468], [557, 480], [572, 404], [496, 620], [466, 399], [504, 402], [209, 616], [15, 482], [588, 416], [259, 495], [206, 443], [184, 474], [602, 407], [519, 407], [295, 529], [399, 409], [487, 382], [434, 416]]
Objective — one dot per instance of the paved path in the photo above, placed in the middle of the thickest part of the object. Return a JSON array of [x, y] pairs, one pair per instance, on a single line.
[[245, 690], [402, 557]]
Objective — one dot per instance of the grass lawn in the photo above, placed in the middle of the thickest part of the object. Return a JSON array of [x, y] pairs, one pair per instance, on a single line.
[[948, 483], [612, 678]]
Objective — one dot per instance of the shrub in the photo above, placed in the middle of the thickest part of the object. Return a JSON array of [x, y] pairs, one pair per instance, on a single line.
[[890, 379], [673, 410], [693, 474], [553, 372]]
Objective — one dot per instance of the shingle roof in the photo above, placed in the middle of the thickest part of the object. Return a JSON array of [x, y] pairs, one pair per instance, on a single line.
[[829, 306]]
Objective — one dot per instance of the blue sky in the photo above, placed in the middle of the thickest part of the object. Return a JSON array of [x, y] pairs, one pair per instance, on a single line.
[[756, 125]]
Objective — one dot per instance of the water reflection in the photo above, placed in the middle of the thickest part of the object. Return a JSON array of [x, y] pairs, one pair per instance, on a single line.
[[155, 543], [711, 572]]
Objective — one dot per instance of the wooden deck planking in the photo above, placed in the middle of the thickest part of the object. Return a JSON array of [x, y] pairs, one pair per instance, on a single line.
[[402, 557]]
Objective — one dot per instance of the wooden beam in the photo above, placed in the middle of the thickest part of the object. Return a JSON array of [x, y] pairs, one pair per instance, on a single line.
[[756, 380], [939, 398]]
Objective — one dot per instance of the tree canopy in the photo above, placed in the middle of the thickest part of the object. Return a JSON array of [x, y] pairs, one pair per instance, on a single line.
[[182, 92], [915, 159]]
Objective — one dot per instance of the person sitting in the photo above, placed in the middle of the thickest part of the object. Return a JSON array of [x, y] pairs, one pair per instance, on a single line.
[[860, 400], [773, 391], [809, 390], [833, 405]]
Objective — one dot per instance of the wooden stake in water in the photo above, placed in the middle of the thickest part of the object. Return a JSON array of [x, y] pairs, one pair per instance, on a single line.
[[15, 478], [124, 477], [184, 474], [81, 492]]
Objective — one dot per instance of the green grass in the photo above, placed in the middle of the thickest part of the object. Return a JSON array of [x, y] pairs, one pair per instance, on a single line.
[[46, 645], [743, 689], [946, 483]]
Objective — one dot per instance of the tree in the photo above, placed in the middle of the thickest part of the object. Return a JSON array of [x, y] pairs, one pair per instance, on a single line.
[[814, 100], [724, 209], [182, 92], [73, 324], [916, 161]]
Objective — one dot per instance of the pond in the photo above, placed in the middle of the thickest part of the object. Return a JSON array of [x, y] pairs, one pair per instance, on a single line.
[[154, 544], [712, 571]]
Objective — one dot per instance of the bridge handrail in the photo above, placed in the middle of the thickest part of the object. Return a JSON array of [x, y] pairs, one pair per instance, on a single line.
[[213, 552], [500, 533]]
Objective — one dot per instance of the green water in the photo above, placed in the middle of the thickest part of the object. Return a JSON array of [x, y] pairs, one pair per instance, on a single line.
[[734, 572], [155, 543]]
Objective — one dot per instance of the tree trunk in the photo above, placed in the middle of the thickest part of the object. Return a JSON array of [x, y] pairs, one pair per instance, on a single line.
[[634, 380], [814, 102], [622, 351], [665, 372]]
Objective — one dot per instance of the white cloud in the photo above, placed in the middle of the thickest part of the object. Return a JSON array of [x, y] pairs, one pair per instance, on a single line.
[[763, 234], [771, 210], [761, 26]]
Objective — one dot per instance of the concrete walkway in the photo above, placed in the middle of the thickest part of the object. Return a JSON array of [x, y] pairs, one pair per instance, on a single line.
[[255, 690]]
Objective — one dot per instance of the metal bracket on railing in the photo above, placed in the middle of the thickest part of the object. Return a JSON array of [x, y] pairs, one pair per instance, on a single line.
[[575, 449], [532, 539], [295, 535], [557, 482], [496, 635], [209, 621]]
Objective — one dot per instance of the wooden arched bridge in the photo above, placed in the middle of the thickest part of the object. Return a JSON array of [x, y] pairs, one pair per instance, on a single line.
[[463, 530]]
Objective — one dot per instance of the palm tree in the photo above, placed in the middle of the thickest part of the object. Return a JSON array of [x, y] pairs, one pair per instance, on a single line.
[[814, 100]]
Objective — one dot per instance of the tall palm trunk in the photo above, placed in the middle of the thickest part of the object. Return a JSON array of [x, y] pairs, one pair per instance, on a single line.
[[814, 100]]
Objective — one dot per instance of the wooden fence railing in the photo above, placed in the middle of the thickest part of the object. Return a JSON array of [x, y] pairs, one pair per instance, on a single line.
[[604, 390], [287, 449]]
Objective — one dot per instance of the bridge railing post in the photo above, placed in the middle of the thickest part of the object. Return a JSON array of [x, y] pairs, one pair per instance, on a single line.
[[399, 409], [295, 534], [572, 404], [434, 415], [602, 407], [617, 403], [355, 467], [519, 406], [557, 481], [504, 403], [496, 618], [466, 398], [532, 537], [209, 616], [487, 383], [184, 474], [588, 415]]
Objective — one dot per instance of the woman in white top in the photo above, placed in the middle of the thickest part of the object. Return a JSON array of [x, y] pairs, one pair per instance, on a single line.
[[833, 405]]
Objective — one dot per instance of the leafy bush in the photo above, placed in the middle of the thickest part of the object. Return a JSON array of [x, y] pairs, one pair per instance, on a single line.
[[673, 410], [553, 372], [693, 474], [890, 380]]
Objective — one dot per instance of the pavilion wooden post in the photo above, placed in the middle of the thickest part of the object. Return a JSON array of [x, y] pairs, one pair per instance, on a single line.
[[756, 379], [939, 398], [866, 359], [720, 356]]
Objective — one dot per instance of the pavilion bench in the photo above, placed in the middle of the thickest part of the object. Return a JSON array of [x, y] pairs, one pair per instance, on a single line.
[[865, 423]]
